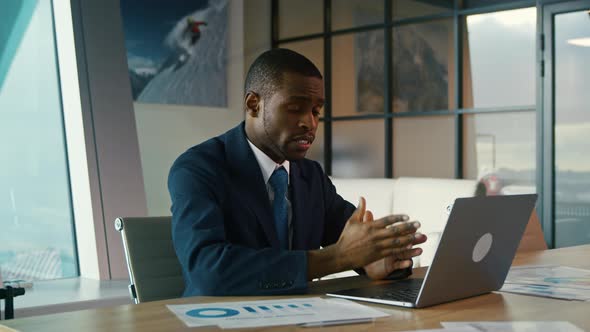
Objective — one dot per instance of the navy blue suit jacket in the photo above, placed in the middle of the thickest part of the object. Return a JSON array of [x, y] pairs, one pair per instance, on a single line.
[[222, 223]]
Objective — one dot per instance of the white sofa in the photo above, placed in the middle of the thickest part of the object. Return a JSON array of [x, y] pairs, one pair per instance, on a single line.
[[423, 199]]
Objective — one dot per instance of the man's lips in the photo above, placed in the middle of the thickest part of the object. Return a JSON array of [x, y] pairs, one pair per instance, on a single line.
[[304, 140]]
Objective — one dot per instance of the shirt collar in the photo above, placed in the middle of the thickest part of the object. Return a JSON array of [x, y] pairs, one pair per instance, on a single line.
[[267, 165]]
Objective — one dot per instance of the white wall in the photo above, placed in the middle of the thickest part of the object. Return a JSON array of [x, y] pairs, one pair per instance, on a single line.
[[165, 131], [257, 38]]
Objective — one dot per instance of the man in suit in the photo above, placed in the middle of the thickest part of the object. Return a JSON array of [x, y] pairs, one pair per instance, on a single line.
[[249, 212]]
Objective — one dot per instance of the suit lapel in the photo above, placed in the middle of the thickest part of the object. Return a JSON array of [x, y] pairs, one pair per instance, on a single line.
[[247, 178], [301, 213]]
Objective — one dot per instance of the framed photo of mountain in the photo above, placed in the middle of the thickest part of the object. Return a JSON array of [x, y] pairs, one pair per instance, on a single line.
[[177, 51], [370, 72], [421, 58], [369, 58]]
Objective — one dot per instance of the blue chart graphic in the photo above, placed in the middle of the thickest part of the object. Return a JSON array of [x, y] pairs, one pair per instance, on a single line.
[[212, 312], [229, 312]]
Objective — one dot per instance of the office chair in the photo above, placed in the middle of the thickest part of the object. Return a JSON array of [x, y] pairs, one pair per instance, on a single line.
[[154, 270]]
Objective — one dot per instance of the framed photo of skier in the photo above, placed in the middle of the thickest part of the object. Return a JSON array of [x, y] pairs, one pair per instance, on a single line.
[[177, 51]]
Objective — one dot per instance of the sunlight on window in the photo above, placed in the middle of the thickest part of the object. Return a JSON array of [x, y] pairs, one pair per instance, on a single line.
[[497, 62], [509, 18], [36, 231]]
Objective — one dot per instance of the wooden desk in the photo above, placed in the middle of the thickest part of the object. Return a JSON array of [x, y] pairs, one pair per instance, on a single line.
[[154, 316]]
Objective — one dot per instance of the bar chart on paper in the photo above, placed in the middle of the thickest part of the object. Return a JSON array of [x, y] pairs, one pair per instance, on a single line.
[[286, 309], [273, 312]]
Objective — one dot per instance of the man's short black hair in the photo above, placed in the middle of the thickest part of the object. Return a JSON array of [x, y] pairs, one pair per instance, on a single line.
[[265, 74]]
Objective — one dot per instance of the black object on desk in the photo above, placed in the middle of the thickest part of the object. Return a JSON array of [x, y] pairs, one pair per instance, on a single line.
[[8, 294]]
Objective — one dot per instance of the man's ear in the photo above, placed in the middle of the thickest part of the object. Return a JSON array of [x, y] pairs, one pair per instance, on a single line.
[[252, 103]]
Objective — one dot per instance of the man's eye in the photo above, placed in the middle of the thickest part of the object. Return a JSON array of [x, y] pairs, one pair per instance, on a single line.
[[317, 111]]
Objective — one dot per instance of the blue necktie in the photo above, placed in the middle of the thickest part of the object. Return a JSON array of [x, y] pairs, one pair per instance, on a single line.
[[279, 181]]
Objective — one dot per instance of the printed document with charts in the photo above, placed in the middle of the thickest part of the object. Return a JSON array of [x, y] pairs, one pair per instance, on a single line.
[[313, 311], [560, 282]]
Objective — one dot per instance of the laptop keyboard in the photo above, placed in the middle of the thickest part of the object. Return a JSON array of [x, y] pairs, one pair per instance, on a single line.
[[402, 291]]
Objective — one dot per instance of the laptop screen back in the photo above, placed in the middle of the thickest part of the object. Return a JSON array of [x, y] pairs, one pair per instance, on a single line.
[[477, 247]]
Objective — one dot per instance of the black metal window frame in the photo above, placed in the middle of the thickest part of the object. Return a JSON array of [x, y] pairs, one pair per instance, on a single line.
[[388, 115]]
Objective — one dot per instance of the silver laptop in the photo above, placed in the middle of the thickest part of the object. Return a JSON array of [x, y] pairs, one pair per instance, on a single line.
[[473, 257]]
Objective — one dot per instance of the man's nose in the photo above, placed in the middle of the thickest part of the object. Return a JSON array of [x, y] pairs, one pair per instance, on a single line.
[[308, 121]]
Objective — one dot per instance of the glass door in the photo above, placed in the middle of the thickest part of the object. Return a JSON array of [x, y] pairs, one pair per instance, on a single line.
[[566, 90]]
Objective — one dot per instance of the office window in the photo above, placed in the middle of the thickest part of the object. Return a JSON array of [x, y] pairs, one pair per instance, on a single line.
[[357, 149], [36, 224], [499, 149], [416, 88], [460, 95], [423, 60], [572, 128], [424, 146], [499, 59]]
